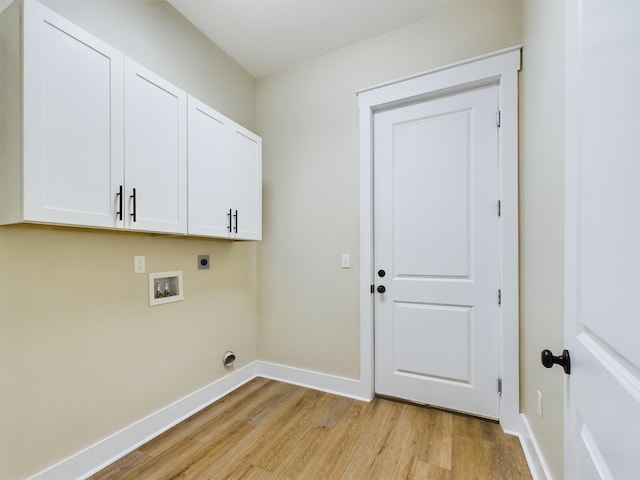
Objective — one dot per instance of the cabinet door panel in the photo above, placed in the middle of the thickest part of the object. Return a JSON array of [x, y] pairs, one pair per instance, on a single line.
[[245, 156], [73, 156], [209, 174], [155, 151]]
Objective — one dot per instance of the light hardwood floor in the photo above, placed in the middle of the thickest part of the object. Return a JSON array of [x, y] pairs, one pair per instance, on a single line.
[[269, 430]]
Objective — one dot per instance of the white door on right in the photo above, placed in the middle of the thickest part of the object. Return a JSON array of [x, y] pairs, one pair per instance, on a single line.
[[602, 432], [437, 252]]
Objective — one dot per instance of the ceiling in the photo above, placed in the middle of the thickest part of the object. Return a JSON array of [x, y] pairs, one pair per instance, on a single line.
[[265, 36]]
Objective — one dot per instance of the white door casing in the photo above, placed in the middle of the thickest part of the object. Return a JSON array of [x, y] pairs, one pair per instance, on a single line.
[[436, 238], [602, 228], [500, 69]]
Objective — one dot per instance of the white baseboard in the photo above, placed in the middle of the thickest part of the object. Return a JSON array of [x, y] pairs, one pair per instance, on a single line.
[[533, 454], [92, 459], [345, 387]]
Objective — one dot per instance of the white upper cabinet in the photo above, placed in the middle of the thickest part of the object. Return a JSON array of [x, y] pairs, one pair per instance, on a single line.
[[72, 124], [225, 176], [90, 138], [155, 152], [208, 171], [245, 158]]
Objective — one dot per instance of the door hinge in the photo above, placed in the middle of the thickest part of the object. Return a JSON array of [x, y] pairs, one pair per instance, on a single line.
[[499, 296], [372, 289], [499, 208], [500, 386], [498, 118]]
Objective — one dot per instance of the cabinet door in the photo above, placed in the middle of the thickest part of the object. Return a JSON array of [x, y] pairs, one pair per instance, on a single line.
[[73, 152], [245, 157], [155, 152], [209, 173]]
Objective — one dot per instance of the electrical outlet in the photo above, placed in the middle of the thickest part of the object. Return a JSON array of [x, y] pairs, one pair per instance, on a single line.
[[139, 264], [539, 404], [203, 262]]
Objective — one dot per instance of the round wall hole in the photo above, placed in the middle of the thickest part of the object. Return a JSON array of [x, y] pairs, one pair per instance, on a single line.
[[228, 358]]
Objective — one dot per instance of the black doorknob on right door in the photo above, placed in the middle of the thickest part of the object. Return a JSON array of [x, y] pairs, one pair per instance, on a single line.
[[549, 360], [381, 289]]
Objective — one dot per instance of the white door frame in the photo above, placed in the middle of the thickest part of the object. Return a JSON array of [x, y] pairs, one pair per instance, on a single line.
[[498, 68]]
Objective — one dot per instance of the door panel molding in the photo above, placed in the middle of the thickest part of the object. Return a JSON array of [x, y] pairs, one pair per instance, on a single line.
[[498, 68]]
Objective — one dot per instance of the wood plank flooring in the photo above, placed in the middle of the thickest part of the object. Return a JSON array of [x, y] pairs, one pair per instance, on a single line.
[[267, 430]]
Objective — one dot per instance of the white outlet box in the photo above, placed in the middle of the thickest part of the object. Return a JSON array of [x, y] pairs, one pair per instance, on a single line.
[[139, 264], [539, 403]]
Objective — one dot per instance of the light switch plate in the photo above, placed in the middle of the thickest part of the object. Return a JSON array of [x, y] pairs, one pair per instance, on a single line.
[[139, 264], [346, 260]]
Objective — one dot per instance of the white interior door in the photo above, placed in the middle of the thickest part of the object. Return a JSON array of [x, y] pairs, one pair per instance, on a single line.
[[436, 249], [602, 434]]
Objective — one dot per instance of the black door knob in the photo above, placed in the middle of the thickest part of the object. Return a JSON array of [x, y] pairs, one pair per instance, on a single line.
[[381, 289], [381, 273], [549, 360]]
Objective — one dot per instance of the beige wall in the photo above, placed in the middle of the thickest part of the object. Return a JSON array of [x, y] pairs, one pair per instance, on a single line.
[[82, 355], [541, 221], [308, 117]]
